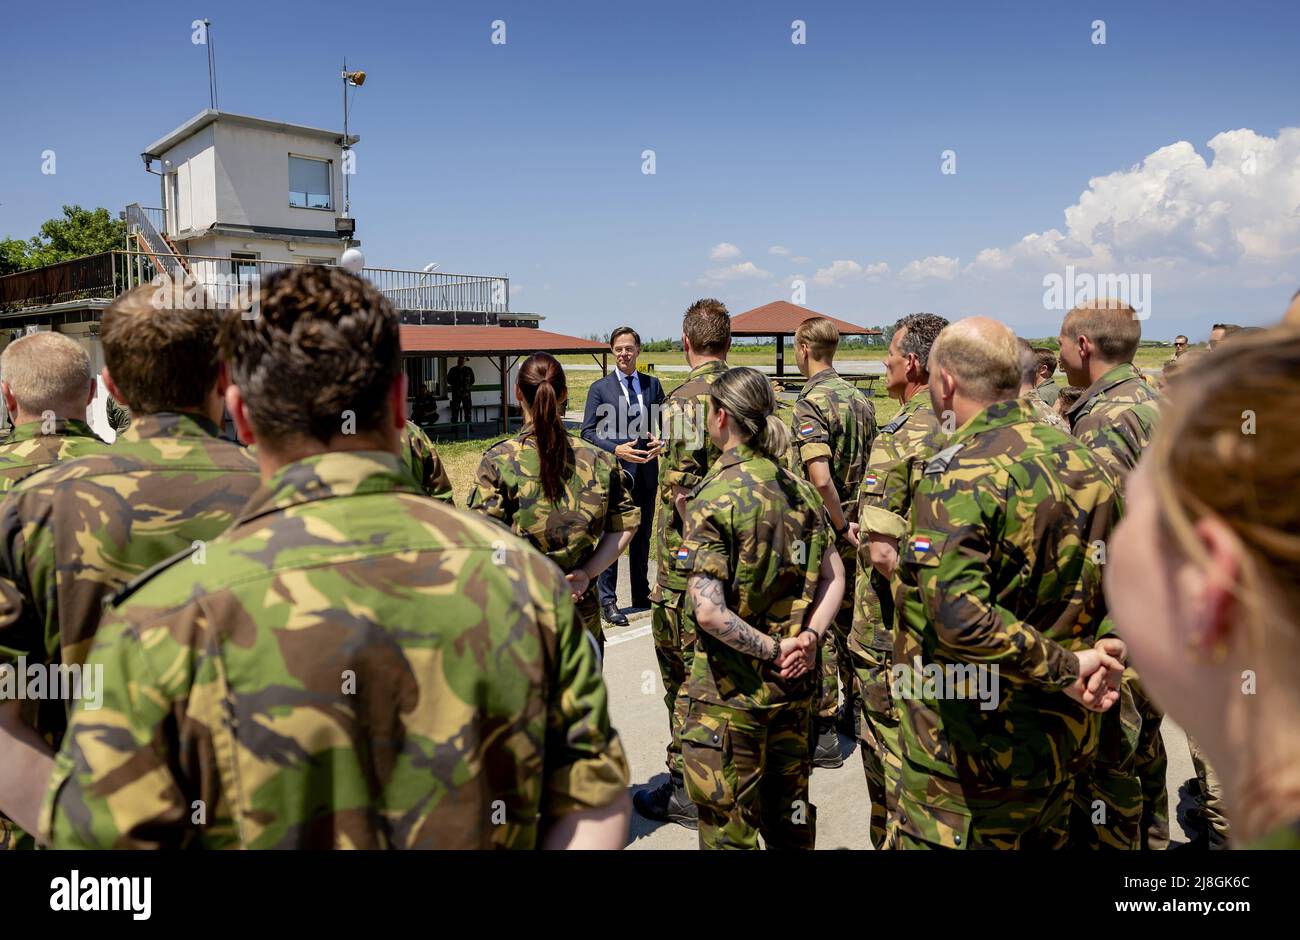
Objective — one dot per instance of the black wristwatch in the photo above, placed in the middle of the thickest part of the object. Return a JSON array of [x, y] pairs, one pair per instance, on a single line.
[[839, 533]]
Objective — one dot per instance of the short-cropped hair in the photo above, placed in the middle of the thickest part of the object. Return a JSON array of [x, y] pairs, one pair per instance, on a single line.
[[1111, 325], [162, 356], [46, 372]]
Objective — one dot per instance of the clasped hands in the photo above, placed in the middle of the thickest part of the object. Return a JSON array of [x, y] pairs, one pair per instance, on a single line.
[[798, 655], [1100, 671]]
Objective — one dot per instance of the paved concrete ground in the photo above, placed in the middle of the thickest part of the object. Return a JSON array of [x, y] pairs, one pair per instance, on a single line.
[[840, 795]]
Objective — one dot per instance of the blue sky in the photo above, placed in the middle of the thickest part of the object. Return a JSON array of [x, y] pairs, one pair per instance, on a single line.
[[525, 158]]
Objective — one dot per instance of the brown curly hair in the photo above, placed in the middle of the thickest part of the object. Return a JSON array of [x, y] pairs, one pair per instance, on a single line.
[[325, 343]]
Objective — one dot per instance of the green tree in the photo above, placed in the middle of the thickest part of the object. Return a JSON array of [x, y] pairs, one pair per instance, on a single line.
[[78, 233]]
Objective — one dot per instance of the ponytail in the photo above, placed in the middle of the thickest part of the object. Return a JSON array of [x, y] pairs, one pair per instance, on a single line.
[[774, 438], [542, 383]]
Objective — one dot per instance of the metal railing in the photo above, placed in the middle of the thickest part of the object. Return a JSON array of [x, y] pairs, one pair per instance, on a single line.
[[157, 217], [142, 226], [229, 282]]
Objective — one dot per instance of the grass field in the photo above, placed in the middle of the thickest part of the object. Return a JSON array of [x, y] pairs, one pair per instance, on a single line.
[[462, 457]]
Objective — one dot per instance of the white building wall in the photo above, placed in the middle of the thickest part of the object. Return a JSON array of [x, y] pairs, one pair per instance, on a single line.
[[252, 178], [193, 162]]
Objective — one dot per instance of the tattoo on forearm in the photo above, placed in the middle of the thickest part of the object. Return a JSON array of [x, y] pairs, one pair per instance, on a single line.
[[731, 630]]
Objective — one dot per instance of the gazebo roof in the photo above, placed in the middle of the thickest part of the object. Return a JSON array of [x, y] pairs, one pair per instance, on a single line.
[[782, 318], [492, 341]]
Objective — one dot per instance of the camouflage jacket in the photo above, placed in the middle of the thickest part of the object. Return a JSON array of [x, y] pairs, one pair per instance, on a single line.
[[1000, 569], [832, 419], [31, 447], [688, 453], [420, 457], [761, 531], [354, 665], [1044, 412], [898, 458], [72, 534], [1116, 418], [1048, 391], [595, 501], [460, 381]]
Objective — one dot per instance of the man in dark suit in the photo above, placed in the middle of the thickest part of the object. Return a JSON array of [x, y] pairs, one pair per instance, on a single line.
[[622, 417]]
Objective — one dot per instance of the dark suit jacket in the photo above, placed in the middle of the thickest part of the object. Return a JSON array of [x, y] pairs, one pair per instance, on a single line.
[[606, 414]]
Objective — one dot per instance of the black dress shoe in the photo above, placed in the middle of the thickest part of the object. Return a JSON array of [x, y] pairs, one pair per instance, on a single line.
[[613, 616]]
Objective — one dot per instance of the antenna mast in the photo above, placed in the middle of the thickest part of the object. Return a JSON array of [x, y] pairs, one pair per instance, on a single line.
[[212, 64]]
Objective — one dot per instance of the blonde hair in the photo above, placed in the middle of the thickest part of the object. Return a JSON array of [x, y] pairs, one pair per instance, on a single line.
[[1226, 449], [747, 396], [1112, 325], [982, 355], [46, 372], [821, 335]]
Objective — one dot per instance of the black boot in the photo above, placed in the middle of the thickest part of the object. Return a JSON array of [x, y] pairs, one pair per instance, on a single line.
[[667, 802], [828, 752], [613, 616]]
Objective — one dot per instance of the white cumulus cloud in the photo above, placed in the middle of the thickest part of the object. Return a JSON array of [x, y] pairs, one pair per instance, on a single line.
[[745, 271], [939, 267], [1176, 212], [843, 270], [723, 251], [778, 250]]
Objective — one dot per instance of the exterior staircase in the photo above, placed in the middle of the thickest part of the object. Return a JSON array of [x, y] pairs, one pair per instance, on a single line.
[[156, 244]]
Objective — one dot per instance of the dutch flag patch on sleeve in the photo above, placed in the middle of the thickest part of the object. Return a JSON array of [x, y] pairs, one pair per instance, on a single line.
[[807, 428], [920, 545]]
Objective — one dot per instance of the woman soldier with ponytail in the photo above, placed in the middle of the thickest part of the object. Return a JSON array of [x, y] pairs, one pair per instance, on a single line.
[[565, 496], [764, 584]]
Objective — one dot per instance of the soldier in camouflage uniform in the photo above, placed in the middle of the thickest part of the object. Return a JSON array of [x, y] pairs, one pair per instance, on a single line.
[[765, 584], [355, 665], [687, 455], [460, 382], [834, 425], [1045, 376], [74, 533], [589, 516], [896, 462], [46, 386], [420, 457], [1116, 418], [999, 612], [1029, 371]]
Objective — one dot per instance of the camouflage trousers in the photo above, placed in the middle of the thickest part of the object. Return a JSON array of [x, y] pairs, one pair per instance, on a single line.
[[835, 662], [588, 610], [882, 746], [1152, 767], [1210, 801], [674, 637], [940, 813], [747, 773], [1107, 811]]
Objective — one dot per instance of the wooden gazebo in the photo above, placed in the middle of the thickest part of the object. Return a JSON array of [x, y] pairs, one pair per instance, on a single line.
[[780, 319], [505, 345]]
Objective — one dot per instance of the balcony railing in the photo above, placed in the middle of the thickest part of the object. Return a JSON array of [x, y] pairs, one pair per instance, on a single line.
[[228, 281]]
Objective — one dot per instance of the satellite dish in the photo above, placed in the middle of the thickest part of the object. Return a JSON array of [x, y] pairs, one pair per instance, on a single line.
[[352, 261]]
